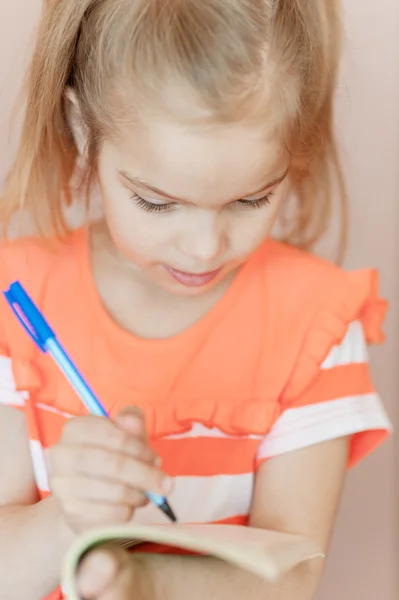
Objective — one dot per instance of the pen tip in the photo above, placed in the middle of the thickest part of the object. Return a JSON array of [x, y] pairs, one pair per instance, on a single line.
[[166, 509]]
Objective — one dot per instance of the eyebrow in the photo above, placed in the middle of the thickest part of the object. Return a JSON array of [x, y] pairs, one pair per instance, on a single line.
[[144, 184]]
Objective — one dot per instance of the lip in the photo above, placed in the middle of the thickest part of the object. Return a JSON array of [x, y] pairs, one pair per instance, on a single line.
[[192, 279]]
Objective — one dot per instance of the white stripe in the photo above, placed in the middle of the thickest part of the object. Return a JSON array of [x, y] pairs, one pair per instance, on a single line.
[[204, 499], [40, 465], [201, 431], [54, 410], [352, 349], [10, 398], [308, 425], [6, 374], [9, 395]]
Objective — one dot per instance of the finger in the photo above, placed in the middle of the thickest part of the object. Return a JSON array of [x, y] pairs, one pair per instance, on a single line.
[[73, 453], [98, 491], [132, 420], [111, 466], [86, 514], [99, 431], [106, 574]]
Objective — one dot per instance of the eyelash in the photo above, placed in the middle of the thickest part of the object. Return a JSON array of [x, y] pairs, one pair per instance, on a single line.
[[149, 206], [159, 208], [265, 200]]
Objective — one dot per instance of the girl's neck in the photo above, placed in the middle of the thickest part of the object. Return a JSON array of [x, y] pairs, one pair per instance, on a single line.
[[136, 304]]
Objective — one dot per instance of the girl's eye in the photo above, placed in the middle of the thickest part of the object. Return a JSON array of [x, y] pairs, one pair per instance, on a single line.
[[151, 207], [258, 203]]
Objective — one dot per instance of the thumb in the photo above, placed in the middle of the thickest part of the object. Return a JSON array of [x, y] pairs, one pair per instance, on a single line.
[[100, 571]]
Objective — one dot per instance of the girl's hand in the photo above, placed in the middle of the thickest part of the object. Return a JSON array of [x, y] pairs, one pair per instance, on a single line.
[[100, 470], [110, 573]]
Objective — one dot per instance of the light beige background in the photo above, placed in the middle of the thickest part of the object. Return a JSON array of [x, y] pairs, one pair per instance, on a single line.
[[364, 558]]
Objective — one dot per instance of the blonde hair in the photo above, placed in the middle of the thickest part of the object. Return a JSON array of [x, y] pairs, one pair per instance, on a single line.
[[218, 47]]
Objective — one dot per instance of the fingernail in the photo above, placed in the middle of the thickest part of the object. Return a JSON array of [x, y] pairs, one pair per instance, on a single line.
[[131, 410], [130, 422], [167, 485]]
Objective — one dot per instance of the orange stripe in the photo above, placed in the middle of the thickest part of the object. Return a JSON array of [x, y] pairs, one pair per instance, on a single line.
[[335, 383], [56, 595], [196, 456], [207, 456], [364, 443]]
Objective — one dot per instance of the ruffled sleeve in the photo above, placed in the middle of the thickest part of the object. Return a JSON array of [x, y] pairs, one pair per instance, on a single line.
[[4, 345], [17, 372], [330, 392], [357, 299], [4, 350]]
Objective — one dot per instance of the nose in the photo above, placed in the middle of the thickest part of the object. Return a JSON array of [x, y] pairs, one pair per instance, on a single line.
[[205, 239]]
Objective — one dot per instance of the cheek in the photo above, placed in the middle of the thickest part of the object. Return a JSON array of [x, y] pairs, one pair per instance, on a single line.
[[122, 222], [131, 242], [139, 237], [251, 230], [127, 233], [126, 224], [118, 213], [118, 208]]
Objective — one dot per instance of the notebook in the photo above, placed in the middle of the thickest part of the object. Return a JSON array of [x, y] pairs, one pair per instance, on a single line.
[[265, 553]]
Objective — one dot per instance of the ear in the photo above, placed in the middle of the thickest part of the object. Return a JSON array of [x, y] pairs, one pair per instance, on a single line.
[[75, 121]]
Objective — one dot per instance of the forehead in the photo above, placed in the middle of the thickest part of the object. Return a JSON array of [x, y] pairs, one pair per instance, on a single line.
[[179, 146], [179, 159]]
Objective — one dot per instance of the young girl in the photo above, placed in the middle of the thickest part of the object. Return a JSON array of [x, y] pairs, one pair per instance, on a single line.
[[234, 367]]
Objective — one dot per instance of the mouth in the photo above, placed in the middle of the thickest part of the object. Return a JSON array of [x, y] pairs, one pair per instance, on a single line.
[[192, 279]]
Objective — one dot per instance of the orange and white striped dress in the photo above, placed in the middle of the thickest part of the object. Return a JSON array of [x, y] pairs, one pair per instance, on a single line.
[[278, 364]]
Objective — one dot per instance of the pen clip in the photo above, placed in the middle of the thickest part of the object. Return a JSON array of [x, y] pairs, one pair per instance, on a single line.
[[28, 315]]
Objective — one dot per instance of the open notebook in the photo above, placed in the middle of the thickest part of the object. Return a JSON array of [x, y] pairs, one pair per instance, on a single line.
[[267, 554]]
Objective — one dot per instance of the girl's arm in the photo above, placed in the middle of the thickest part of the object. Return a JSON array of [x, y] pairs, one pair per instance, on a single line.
[[32, 537], [298, 492]]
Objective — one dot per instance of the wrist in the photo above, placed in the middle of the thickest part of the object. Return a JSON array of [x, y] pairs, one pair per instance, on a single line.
[[65, 535]]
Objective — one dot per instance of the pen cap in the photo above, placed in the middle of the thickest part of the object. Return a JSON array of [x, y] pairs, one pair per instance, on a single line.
[[28, 315]]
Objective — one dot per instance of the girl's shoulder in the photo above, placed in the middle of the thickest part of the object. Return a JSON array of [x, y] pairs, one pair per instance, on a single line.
[[48, 270], [305, 292], [307, 325], [34, 261], [306, 305], [284, 266]]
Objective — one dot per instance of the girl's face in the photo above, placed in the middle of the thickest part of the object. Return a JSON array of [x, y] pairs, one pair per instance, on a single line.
[[186, 204]]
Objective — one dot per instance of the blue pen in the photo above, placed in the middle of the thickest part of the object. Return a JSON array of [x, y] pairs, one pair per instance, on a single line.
[[40, 331]]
